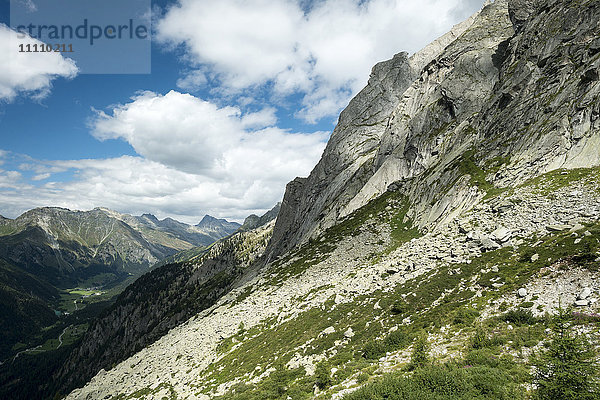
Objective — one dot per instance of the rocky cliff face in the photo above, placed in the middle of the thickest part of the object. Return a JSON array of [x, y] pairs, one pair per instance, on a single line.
[[515, 85]]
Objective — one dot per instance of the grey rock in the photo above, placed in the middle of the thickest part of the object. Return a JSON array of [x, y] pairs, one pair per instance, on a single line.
[[582, 303], [501, 234], [489, 244], [585, 293], [520, 11], [522, 292], [558, 227]]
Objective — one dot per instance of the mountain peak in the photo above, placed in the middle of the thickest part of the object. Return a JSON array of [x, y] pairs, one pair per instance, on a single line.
[[151, 217], [207, 219], [210, 224]]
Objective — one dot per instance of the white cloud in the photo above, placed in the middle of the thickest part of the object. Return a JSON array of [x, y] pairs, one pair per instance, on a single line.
[[324, 53], [9, 179], [29, 73], [260, 119], [136, 185], [192, 135], [194, 80], [195, 158]]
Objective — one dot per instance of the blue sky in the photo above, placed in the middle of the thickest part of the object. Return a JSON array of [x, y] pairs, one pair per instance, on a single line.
[[241, 99]]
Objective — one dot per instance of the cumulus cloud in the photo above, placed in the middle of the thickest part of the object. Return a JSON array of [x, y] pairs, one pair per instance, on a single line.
[[194, 158], [29, 73], [196, 136], [323, 50], [9, 179]]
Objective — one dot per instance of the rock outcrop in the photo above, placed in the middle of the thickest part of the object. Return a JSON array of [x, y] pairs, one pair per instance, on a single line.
[[511, 94]]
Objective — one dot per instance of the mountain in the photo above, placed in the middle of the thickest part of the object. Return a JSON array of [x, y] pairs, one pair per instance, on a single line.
[[46, 254], [512, 104], [217, 228], [71, 247], [254, 221], [455, 208]]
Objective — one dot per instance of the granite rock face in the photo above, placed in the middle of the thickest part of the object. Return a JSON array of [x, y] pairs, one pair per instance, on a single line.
[[515, 88]]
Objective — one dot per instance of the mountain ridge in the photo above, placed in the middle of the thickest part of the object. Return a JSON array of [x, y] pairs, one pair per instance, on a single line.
[[49, 253]]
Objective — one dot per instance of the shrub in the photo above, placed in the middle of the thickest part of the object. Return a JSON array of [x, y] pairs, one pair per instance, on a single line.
[[373, 350], [445, 382], [323, 375], [480, 339], [399, 307], [362, 377], [396, 340], [520, 317], [465, 316]]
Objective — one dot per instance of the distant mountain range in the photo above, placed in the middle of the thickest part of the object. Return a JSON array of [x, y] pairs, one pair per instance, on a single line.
[[46, 251]]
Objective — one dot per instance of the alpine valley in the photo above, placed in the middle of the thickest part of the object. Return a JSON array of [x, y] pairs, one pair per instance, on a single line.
[[60, 268], [455, 210]]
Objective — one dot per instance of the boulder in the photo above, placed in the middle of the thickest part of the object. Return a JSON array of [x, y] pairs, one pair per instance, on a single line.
[[489, 244], [522, 292], [501, 234], [582, 303], [585, 293], [558, 227]]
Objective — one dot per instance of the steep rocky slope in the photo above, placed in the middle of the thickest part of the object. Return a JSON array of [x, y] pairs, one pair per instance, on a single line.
[[342, 302], [161, 300], [458, 200], [522, 102]]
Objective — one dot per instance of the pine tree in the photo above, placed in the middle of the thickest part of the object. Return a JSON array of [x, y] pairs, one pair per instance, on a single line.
[[566, 370]]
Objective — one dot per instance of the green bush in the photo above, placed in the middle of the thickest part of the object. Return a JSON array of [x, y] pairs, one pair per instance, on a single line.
[[482, 339], [396, 340], [362, 377], [323, 375], [520, 317], [420, 354], [465, 316], [482, 357], [446, 382], [399, 307], [373, 350]]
